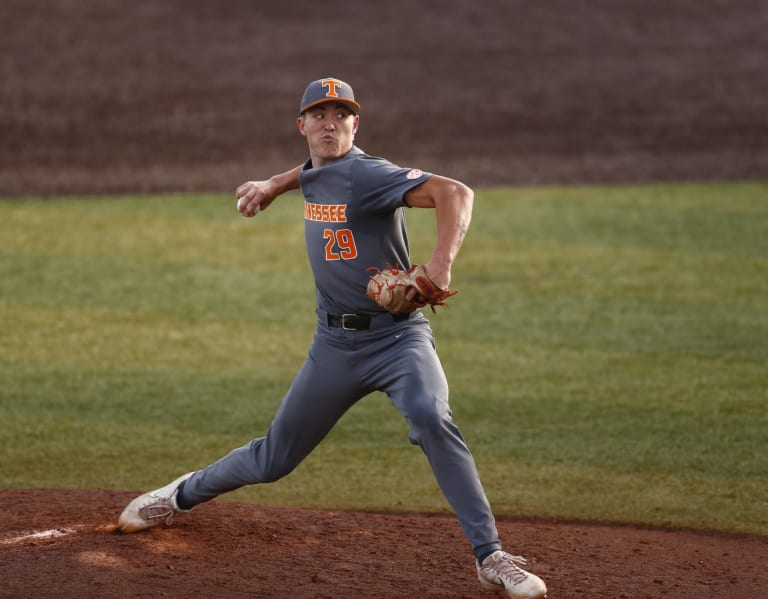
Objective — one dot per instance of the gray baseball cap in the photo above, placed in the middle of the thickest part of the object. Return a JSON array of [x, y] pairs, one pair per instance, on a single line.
[[328, 90]]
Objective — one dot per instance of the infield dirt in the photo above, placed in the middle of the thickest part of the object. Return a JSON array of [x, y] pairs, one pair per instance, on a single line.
[[116, 97]]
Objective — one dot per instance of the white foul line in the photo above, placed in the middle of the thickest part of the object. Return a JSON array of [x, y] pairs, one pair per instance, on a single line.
[[33, 536]]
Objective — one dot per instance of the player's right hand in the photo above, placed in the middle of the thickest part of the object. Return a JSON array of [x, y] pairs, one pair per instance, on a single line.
[[253, 196]]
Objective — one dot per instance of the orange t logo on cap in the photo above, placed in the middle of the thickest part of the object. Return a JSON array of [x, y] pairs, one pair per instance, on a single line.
[[331, 84]]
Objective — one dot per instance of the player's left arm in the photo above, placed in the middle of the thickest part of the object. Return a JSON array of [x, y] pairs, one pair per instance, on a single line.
[[452, 202]]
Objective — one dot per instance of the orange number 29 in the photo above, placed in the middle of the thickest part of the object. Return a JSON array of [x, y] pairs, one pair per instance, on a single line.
[[339, 245]]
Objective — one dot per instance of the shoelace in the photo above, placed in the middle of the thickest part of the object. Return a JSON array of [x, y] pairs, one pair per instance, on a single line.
[[507, 567], [517, 559]]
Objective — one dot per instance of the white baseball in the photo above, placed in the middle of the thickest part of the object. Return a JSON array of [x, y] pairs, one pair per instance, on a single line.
[[241, 202]]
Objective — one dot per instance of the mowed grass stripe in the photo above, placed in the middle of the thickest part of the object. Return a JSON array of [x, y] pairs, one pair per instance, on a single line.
[[608, 351]]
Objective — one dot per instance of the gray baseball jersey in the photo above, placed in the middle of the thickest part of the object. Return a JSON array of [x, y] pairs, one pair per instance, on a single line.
[[354, 219]]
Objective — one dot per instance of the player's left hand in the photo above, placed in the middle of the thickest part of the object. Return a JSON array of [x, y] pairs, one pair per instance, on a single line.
[[441, 278]]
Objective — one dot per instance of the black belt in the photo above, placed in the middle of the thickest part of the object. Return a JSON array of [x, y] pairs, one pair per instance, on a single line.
[[359, 322]]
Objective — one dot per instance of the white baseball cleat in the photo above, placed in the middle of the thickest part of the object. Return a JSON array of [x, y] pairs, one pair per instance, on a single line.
[[500, 572], [153, 508]]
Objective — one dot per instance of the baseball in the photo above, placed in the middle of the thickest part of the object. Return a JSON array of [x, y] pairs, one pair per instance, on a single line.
[[241, 203]]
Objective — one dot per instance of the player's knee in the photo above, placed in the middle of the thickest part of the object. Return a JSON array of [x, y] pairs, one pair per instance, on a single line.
[[271, 466], [429, 418], [275, 472]]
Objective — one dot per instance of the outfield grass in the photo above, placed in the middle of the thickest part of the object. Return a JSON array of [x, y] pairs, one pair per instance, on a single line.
[[608, 352]]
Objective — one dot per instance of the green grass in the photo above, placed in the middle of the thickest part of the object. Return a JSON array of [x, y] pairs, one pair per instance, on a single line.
[[608, 352]]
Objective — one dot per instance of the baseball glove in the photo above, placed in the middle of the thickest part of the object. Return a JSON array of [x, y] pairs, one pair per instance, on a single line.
[[389, 289]]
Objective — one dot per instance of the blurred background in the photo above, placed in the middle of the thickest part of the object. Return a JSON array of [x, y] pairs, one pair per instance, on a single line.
[[106, 96]]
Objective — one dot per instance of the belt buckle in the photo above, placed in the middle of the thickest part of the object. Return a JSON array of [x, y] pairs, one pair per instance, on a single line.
[[344, 322]]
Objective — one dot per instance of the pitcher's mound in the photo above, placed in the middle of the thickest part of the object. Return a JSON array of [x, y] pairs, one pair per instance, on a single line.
[[63, 543]]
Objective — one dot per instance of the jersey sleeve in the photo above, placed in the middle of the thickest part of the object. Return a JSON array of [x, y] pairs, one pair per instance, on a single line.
[[381, 186]]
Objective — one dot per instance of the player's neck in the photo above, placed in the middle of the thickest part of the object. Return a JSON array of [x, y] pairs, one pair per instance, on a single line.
[[319, 160]]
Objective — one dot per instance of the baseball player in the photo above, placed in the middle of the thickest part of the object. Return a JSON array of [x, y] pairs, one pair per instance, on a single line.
[[354, 208]]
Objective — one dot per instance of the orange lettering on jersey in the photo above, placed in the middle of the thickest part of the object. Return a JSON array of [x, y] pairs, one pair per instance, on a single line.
[[325, 213], [332, 85]]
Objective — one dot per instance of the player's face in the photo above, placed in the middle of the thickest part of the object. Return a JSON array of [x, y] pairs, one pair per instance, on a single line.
[[330, 131]]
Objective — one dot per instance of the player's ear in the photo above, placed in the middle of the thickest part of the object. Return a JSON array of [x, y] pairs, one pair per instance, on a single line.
[[300, 125], [356, 123]]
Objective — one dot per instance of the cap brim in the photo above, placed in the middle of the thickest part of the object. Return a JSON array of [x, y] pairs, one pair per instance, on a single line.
[[351, 103]]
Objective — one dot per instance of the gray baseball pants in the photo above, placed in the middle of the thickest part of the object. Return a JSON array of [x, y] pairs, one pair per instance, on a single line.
[[341, 368]]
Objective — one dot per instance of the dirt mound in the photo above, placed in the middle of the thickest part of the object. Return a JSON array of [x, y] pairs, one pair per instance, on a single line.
[[61, 544]]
